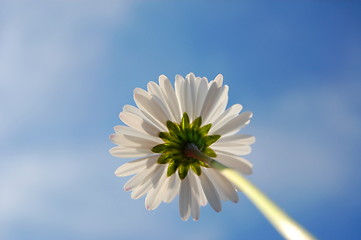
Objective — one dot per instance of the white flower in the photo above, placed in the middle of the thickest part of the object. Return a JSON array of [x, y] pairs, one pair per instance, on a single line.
[[163, 123]]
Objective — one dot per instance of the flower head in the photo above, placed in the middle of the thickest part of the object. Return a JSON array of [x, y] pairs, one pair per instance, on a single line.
[[161, 128]]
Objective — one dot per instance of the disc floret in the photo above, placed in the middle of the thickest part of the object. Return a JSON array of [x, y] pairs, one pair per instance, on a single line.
[[175, 142]]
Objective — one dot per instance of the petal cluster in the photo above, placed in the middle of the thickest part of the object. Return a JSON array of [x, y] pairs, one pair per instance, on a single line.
[[146, 126]]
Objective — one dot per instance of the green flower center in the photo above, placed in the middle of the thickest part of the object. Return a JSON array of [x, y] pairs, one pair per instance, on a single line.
[[175, 141]]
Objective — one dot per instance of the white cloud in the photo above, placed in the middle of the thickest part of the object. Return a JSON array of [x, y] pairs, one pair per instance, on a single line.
[[301, 151], [63, 190], [48, 47], [28, 175], [27, 182], [75, 193]]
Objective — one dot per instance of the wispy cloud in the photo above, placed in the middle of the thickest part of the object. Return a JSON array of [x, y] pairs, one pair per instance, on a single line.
[[301, 147], [50, 52], [75, 194], [48, 47]]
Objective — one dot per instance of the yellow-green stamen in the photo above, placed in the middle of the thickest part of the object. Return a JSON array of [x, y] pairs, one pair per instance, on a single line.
[[175, 142]]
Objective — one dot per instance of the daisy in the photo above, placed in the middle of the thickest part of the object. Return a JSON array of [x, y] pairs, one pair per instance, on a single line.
[[165, 132]]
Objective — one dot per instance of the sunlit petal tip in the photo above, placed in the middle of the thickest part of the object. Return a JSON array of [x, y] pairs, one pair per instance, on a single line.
[[219, 80], [121, 115], [150, 85], [117, 172], [138, 91], [162, 77], [191, 76], [251, 140], [164, 118], [111, 151], [179, 77]]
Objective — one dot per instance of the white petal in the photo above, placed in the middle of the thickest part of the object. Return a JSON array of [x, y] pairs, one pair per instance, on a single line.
[[204, 78], [196, 195], [139, 123], [191, 95], [130, 169], [224, 187], [190, 76], [141, 177], [195, 93], [184, 199], [195, 211], [218, 101], [129, 152], [141, 190], [150, 195], [173, 188], [236, 140], [188, 99], [179, 90], [157, 174], [240, 164], [135, 166], [235, 150], [154, 197], [219, 104], [219, 80], [210, 192], [235, 124], [134, 110], [144, 111], [145, 187], [230, 113], [150, 200], [132, 132], [171, 97], [202, 198], [132, 141], [163, 191], [197, 188], [156, 92], [152, 106], [210, 101], [201, 96]]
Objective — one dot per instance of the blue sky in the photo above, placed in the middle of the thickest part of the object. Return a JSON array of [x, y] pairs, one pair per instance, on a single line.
[[67, 68]]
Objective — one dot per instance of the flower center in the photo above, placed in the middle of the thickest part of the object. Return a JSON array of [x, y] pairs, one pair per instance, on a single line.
[[175, 141]]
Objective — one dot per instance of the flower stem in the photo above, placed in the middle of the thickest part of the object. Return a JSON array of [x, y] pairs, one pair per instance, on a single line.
[[285, 225]]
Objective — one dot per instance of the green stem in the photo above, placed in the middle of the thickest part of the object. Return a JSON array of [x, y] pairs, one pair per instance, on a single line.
[[285, 225]]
